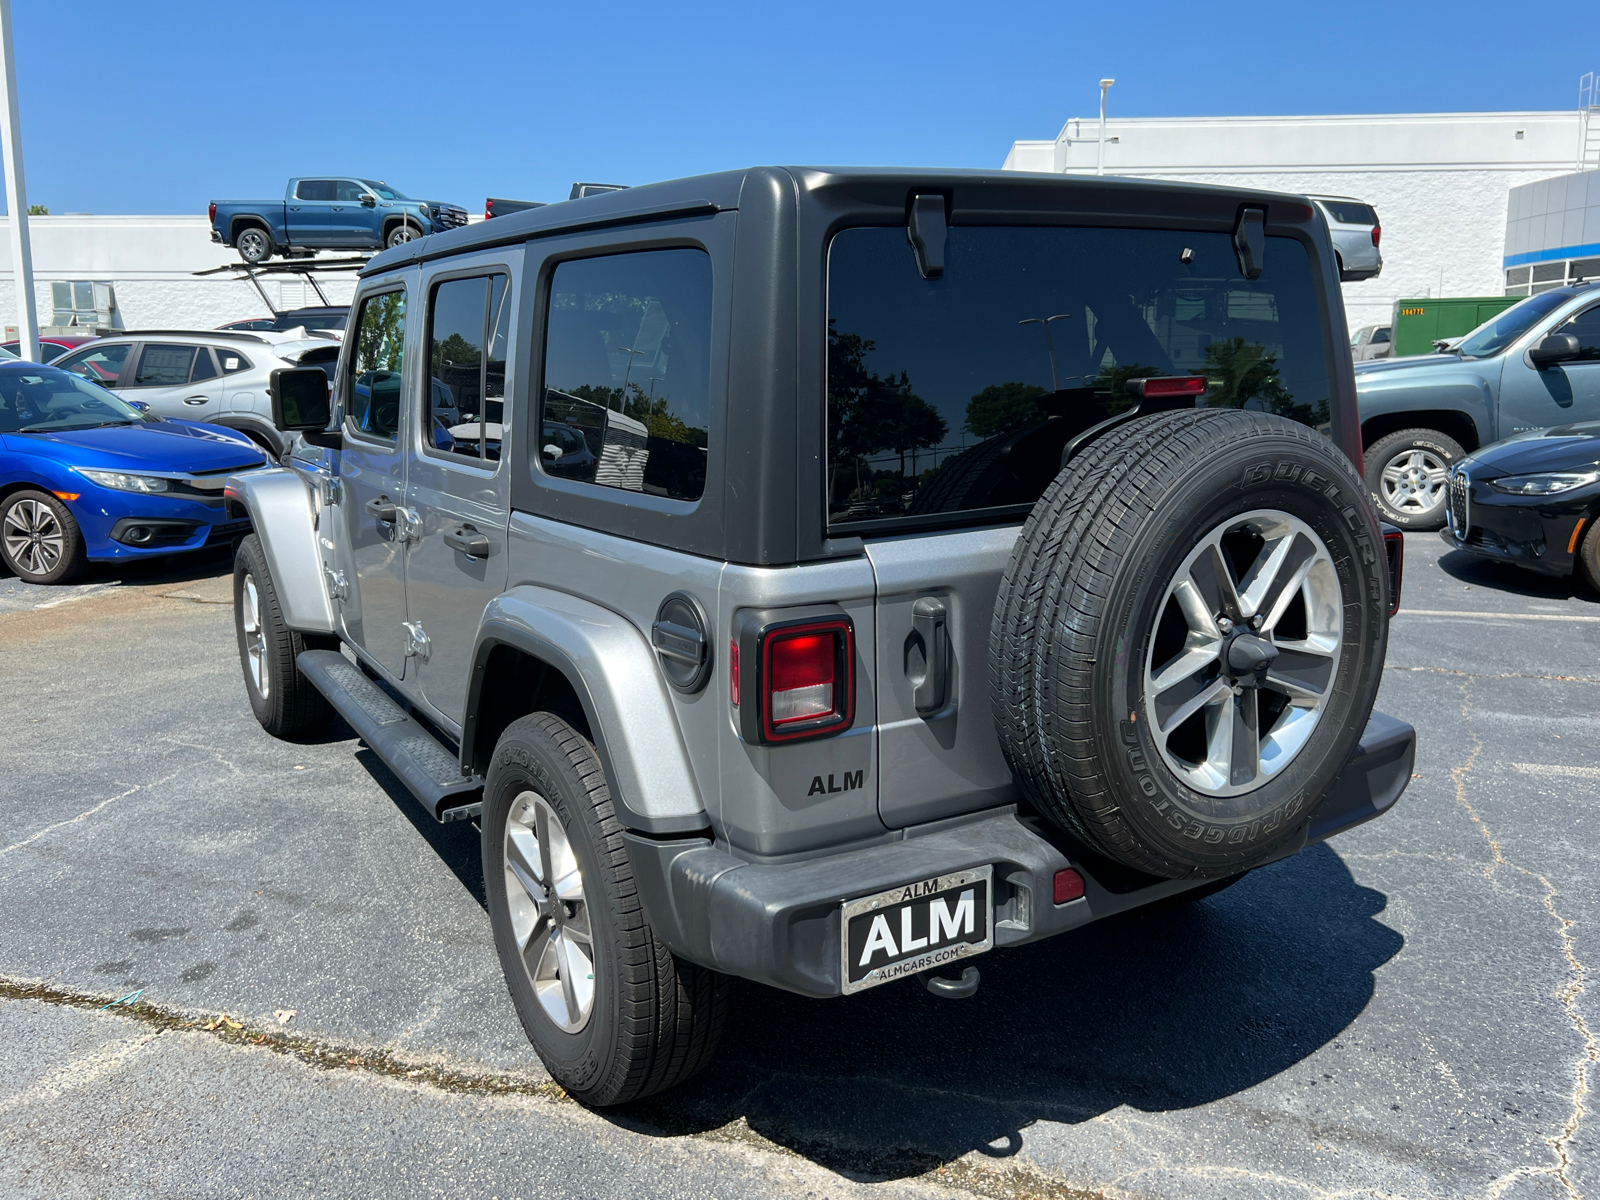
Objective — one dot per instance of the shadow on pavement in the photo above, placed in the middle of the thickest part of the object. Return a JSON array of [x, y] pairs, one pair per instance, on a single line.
[[458, 843], [1519, 581], [1158, 1012]]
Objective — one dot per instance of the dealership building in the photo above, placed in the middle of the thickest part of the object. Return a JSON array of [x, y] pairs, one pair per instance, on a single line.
[[1442, 183]]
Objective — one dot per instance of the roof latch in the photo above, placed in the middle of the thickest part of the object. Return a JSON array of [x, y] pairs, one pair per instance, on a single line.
[[927, 229], [1250, 241]]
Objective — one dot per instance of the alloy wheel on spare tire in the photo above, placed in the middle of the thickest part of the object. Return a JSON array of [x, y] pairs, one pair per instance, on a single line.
[[1188, 640], [613, 1014], [1408, 474]]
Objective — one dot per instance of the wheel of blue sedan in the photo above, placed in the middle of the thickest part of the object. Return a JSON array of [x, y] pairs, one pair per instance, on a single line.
[[39, 540]]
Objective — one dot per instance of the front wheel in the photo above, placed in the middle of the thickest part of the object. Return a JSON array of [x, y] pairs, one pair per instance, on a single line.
[[1408, 474], [285, 701], [39, 540], [611, 1012], [400, 235]]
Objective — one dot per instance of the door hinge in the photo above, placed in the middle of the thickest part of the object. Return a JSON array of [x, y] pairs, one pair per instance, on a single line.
[[417, 644], [337, 587], [412, 520]]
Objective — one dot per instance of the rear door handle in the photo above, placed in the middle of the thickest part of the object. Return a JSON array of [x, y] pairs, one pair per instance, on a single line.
[[928, 655], [198, 400], [468, 540]]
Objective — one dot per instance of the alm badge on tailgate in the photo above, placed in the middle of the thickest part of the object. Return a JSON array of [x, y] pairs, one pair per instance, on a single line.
[[916, 926]]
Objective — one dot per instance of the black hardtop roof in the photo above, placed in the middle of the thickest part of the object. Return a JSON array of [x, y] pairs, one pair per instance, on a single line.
[[873, 187]]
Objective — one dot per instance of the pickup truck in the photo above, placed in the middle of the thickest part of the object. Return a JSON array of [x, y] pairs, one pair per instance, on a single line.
[[328, 214]]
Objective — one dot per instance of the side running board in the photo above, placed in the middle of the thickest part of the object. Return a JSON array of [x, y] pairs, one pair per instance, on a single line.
[[430, 770]]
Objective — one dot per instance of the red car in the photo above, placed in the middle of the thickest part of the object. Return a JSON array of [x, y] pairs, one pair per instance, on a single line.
[[50, 348]]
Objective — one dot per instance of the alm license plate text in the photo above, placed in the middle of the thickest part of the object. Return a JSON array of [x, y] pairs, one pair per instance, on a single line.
[[912, 928]]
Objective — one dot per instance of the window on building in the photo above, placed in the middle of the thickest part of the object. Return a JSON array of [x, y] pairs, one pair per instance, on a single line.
[[959, 393], [627, 391], [376, 365]]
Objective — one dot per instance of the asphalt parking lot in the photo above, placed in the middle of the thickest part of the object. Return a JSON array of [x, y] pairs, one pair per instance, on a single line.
[[1401, 1012]]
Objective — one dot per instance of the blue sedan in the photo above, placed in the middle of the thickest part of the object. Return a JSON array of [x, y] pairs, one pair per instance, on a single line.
[[87, 476]]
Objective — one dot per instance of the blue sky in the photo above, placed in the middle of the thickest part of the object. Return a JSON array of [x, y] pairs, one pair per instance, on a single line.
[[161, 107]]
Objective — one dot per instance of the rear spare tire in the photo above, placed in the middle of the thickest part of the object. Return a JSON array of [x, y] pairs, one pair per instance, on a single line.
[[1188, 639]]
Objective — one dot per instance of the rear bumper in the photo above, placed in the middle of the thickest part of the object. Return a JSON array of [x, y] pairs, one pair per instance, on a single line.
[[779, 923]]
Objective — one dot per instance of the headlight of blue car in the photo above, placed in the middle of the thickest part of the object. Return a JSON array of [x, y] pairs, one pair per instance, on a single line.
[[1544, 485], [119, 481]]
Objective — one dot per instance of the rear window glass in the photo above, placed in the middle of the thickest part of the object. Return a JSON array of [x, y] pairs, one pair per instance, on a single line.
[[627, 391], [1348, 212], [959, 394], [314, 189]]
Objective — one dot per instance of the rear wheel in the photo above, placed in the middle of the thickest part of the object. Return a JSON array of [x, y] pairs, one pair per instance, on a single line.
[[39, 540], [613, 1014], [254, 244], [284, 701], [1408, 474], [1189, 638]]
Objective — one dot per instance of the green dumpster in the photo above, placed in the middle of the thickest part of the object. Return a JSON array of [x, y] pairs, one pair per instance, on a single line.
[[1419, 323]]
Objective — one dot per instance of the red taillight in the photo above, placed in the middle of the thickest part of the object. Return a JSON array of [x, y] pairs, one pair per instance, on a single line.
[[807, 680], [488, 209], [733, 672], [1377, 232], [1168, 385], [211, 213], [1069, 886]]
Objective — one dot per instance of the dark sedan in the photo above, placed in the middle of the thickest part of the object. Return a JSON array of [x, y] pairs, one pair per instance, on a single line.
[[1533, 500]]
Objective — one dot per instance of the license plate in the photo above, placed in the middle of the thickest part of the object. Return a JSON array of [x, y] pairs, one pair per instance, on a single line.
[[917, 926]]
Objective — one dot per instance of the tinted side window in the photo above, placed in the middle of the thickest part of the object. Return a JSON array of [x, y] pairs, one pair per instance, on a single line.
[[960, 393], [232, 360], [627, 372], [314, 189], [102, 364], [203, 366], [1586, 328], [1349, 213], [163, 365], [348, 191], [376, 365], [1381, 337], [466, 386]]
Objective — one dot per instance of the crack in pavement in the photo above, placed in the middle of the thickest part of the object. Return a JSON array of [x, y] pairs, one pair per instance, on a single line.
[[1560, 1142], [86, 814], [1499, 675], [1014, 1181]]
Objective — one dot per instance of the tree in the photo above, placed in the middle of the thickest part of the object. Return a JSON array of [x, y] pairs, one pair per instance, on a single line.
[[38, 210], [1002, 408], [1242, 372]]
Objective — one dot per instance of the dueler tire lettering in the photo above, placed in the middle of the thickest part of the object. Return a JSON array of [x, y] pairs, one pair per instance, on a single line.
[[1081, 601]]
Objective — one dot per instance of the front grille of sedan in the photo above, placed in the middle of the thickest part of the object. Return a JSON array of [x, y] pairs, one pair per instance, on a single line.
[[1459, 502]]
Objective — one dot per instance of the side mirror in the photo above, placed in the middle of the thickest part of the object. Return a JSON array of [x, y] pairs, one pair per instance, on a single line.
[[300, 400], [368, 200], [141, 405], [552, 451], [1556, 348]]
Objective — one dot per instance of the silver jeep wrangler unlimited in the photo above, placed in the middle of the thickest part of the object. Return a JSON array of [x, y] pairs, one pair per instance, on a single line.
[[826, 577]]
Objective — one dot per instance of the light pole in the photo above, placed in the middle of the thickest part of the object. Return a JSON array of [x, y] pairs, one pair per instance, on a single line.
[[1100, 161], [1050, 343], [17, 197]]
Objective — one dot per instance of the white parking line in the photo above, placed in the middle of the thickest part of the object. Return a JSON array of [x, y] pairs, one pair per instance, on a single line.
[[1569, 772], [1494, 616]]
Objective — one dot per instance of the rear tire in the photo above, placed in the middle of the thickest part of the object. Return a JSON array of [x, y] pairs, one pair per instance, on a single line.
[[1406, 473], [39, 540], [283, 700], [1132, 714], [611, 1012], [254, 244]]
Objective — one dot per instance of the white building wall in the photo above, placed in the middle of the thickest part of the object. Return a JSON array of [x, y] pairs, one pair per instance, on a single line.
[[1439, 181], [151, 260]]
